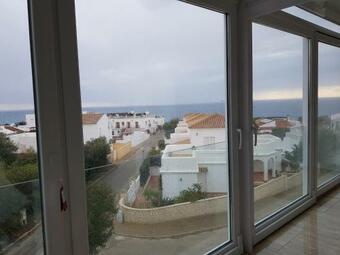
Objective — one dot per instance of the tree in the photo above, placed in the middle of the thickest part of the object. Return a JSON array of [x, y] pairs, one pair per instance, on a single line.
[[95, 152], [327, 144], [161, 144], [100, 212], [144, 171], [7, 149], [155, 157], [11, 201], [280, 132], [295, 156], [170, 126]]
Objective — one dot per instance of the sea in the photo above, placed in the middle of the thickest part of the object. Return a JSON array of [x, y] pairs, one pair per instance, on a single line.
[[261, 108]]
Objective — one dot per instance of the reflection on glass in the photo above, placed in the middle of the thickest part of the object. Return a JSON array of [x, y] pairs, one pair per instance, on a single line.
[[329, 113], [153, 94], [20, 201], [280, 117]]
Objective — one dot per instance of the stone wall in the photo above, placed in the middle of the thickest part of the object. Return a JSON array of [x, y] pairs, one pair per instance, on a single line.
[[174, 212], [277, 185], [205, 206]]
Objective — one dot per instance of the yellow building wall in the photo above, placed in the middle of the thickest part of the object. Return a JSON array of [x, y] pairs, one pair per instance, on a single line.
[[120, 150]]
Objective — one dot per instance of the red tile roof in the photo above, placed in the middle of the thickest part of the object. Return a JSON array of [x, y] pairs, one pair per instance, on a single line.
[[91, 118], [283, 124], [208, 121]]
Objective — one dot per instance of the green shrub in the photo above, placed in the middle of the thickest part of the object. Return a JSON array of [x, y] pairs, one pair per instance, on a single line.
[[7, 149], [161, 144], [95, 152], [155, 157], [100, 214], [144, 171], [18, 172], [169, 127], [155, 197], [191, 194]]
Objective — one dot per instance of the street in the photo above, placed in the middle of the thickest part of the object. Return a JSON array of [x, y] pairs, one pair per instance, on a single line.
[[119, 176]]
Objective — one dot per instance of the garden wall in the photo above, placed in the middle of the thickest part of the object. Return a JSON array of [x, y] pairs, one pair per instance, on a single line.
[[174, 212], [277, 185]]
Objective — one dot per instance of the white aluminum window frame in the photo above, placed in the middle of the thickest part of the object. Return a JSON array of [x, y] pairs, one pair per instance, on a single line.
[[291, 24], [58, 101], [332, 40], [58, 107]]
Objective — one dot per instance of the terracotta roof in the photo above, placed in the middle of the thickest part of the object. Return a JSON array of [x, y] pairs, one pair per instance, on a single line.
[[209, 121], [197, 117], [91, 118], [283, 124], [13, 129]]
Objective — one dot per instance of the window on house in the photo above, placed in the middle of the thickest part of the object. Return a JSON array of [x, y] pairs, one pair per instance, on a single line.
[[171, 69], [280, 119], [329, 113], [21, 227], [117, 125]]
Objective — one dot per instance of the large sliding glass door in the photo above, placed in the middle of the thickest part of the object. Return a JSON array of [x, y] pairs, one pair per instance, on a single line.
[[155, 126], [328, 112], [280, 117]]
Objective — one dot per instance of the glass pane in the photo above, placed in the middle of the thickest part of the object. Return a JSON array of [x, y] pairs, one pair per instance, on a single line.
[[20, 200], [153, 94], [280, 117], [329, 113]]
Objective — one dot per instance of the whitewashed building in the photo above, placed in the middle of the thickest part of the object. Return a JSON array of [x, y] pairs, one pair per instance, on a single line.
[[30, 120], [130, 121], [25, 141], [335, 122], [96, 125], [197, 154]]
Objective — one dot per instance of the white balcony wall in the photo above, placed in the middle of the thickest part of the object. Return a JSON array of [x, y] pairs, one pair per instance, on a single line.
[[179, 164], [177, 137], [198, 135]]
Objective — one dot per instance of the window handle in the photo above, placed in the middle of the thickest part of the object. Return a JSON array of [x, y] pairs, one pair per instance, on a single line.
[[240, 139], [255, 130], [63, 202]]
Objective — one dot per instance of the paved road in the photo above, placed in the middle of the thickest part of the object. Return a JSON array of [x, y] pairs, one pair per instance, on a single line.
[[119, 176]]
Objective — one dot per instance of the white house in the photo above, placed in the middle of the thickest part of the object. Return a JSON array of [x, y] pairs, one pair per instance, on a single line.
[[25, 141], [96, 125], [135, 138], [197, 154], [131, 121], [30, 120], [335, 122], [7, 130]]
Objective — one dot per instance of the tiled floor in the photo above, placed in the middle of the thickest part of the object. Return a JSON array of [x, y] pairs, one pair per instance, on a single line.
[[315, 232]]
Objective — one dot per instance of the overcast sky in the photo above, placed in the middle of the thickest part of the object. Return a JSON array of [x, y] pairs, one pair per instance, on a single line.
[[151, 52]]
